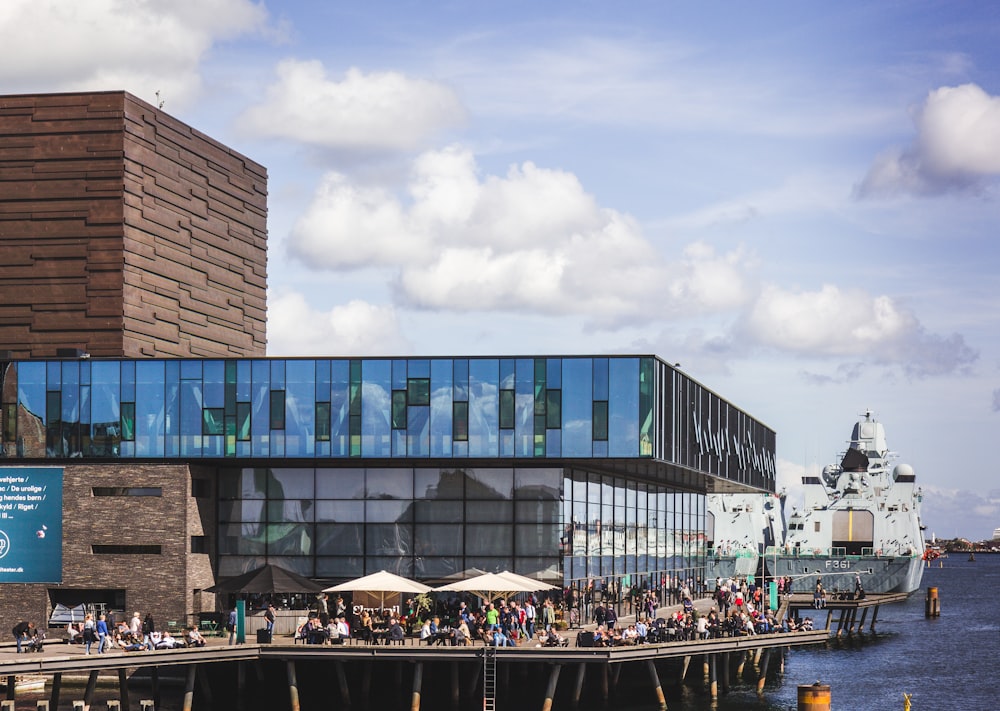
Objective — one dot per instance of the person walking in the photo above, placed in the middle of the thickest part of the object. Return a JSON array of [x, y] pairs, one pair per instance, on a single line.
[[231, 626], [89, 631], [102, 634], [269, 616]]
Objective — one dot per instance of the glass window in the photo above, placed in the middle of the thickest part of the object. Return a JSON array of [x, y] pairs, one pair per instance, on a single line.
[[337, 568], [487, 511], [460, 421], [340, 511], [577, 407], [300, 407], [438, 483], [537, 540], [389, 539], [418, 391], [290, 483], [438, 511], [489, 540], [553, 409], [388, 511], [489, 483], [437, 539], [340, 483], [524, 408], [399, 409], [277, 411], [441, 408], [538, 483], [389, 483], [340, 539]]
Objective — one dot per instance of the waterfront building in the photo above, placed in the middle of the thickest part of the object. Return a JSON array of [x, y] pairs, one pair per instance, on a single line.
[[180, 454]]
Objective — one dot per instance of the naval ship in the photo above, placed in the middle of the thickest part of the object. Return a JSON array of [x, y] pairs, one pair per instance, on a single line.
[[860, 523], [740, 528]]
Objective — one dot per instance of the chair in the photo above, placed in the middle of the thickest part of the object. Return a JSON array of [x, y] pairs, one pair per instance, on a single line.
[[299, 624], [585, 639]]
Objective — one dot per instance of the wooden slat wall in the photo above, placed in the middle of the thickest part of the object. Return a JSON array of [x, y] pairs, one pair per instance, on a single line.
[[126, 233]]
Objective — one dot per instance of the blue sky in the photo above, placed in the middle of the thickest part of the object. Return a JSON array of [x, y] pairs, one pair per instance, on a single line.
[[795, 201]]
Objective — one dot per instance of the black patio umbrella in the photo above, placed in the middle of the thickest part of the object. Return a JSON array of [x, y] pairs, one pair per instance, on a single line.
[[266, 579]]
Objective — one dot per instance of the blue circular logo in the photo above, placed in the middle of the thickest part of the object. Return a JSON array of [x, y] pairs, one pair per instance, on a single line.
[[4, 544]]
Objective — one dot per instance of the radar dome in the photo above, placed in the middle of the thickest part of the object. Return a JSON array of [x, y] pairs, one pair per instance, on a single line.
[[901, 470]]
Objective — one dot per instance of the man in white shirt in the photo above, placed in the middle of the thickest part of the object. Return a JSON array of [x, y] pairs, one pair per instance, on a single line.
[[135, 627]]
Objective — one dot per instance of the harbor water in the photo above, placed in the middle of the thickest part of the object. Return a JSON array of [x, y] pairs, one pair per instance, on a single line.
[[942, 663]]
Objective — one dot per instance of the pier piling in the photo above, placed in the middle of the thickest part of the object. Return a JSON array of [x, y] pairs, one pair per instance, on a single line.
[[931, 606]]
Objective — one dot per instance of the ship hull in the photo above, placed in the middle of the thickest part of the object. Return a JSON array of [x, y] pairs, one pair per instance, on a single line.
[[879, 574]]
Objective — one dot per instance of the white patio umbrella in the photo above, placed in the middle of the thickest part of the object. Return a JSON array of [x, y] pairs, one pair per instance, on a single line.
[[490, 586], [381, 583]]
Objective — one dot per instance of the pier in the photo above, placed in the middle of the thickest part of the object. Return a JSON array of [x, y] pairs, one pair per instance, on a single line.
[[357, 676], [842, 609]]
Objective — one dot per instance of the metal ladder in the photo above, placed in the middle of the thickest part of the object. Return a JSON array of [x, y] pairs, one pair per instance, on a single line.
[[489, 678]]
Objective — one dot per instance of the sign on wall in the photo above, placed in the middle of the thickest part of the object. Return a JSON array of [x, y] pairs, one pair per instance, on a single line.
[[31, 525]]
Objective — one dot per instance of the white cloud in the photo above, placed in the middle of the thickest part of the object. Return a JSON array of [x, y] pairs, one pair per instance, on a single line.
[[355, 329], [383, 111], [530, 241], [850, 324], [136, 45], [957, 145]]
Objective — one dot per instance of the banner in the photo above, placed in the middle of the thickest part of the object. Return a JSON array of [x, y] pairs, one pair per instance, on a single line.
[[30, 525]]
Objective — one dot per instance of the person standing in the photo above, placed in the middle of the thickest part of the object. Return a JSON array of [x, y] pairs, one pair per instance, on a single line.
[[102, 634], [529, 618], [231, 626], [269, 616]]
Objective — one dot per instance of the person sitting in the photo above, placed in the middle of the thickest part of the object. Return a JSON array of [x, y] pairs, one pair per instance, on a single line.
[[396, 632], [194, 638], [641, 631], [601, 637], [426, 634], [343, 632], [73, 635], [554, 639], [168, 641], [630, 636], [462, 636], [315, 632], [502, 640]]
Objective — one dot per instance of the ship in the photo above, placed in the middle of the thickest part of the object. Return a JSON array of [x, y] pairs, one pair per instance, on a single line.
[[741, 527], [859, 526]]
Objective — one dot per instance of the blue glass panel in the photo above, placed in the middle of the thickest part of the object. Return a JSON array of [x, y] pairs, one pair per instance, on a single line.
[[441, 411], [128, 381], [577, 407], [553, 373], [260, 408], [149, 408], [461, 379], [278, 374], [623, 407], [601, 378], [399, 375], [553, 443], [31, 410], [215, 380], [323, 380], [418, 439], [376, 408], [399, 443], [524, 408], [104, 408], [243, 380], [507, 371], [484, 407], [53, 374], [172, 409], [420, 368], [300, 408], [340, 408], [191, 369]]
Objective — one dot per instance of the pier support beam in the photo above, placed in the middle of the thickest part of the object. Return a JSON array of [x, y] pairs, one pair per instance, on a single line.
[[123, 688], [418, 676], [56, 689], [550, 689], [11, 684], [762, 671], [366, 685], [345, 692], [241, 682], [874, 617], [685, 663], [88, 694], [154, 677], [293, 686], [581, 673], [726, 660], [455, 688], [661, 699], [713, 681], [192, 673]]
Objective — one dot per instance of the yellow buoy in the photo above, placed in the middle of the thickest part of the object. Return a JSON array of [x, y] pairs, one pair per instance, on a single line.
[[814, 697]]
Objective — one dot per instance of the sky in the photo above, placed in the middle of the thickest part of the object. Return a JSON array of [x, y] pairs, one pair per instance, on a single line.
[[796, 202]]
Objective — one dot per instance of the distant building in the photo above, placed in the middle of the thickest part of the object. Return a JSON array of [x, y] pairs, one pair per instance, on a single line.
[[163, 451]]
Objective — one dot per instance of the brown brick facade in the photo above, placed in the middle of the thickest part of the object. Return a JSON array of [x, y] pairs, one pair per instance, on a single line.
[[126, 232], [162, 584]]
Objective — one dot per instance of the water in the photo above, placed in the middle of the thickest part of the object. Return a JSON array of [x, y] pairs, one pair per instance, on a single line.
[[943, 663]]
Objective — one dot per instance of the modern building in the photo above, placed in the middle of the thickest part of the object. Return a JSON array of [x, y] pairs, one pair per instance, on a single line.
[[135, 479]]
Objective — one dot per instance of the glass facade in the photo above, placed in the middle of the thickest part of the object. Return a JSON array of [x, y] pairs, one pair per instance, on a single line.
[[575, 468]]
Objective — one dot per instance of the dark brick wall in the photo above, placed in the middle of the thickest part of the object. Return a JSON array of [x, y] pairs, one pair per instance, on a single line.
[[126, 232], [161, 584]]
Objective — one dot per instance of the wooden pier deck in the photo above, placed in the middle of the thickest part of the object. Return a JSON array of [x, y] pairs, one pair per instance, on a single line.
[[220, 676], [844, 608]]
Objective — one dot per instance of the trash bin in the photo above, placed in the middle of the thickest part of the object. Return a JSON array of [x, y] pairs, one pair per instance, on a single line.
[[263, 636]]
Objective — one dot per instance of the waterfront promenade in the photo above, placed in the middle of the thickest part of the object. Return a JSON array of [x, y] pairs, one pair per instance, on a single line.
[[352, 675]]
